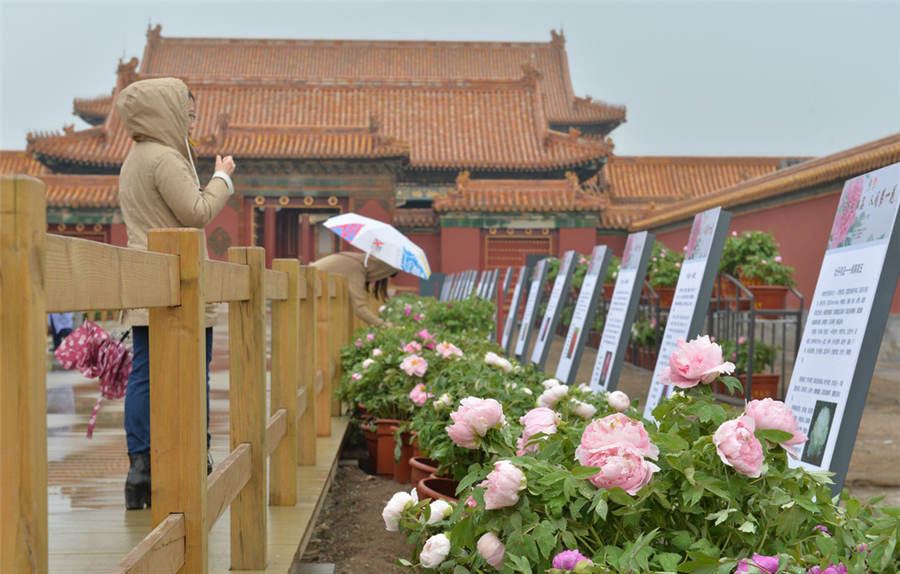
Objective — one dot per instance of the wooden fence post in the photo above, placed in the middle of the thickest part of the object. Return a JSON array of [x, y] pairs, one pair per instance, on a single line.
[[341, 306], [286, 352], [323, 357], [178, 398], [247, 404], [306, 428], [23, 363]]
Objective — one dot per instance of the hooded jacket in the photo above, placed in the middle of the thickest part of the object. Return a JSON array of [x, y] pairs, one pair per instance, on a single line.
[[358, 272], [158, 183]]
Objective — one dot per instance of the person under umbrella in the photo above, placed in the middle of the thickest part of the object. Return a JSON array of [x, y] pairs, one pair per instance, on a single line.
[[362, 277]]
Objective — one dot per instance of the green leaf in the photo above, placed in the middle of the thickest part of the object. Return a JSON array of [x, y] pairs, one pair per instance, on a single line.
[[543, 534], [520, 563], [748, 527], [668, 560], [460, 570], [773, 435], [404, 562], [721, 515], [585, 471], [619, 496]]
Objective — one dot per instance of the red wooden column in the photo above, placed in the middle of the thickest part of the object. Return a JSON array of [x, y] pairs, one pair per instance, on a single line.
[[269, 235]]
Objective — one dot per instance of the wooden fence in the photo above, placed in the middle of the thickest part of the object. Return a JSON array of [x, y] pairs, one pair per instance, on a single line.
[[41, 273]]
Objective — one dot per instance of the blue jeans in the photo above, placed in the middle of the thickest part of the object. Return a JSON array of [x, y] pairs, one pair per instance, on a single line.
[[137, 393]]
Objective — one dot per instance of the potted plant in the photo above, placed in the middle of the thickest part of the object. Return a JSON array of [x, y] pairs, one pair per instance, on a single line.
[[769, 280], [612, 272], [764, 382], [663, 271]]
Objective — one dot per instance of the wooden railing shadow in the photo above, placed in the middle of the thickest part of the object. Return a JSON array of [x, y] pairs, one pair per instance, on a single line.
[[42, 273]]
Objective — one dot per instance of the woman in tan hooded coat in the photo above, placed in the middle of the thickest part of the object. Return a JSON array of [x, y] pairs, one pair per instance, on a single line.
[[159, 187], [362, 276]]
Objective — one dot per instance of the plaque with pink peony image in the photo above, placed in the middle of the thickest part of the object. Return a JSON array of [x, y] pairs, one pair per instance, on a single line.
[[846, 320], [692, 292]]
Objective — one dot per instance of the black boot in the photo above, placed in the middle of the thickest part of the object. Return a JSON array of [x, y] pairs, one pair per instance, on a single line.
[[137, 485]]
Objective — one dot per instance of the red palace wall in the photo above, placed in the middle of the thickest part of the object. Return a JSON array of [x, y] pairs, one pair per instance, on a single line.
[[801, 230], [461, 249], [581, 239]]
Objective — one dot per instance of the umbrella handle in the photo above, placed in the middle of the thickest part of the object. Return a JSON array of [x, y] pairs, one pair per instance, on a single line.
[[366, 260]]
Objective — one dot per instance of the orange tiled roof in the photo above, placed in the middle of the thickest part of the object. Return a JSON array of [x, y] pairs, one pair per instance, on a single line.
[[302, 141], [516, 195], [425, 217], [20, 162], [835, 167], [92, 110], [372, 60], [668, 177], [448, 125], [83, 191]]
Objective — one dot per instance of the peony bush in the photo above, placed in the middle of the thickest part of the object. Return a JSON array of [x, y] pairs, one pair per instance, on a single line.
[[557, 479]]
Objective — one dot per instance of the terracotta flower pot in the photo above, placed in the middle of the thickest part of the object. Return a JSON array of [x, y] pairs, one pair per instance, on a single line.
[[371, 444], [666, 295], [421, 467], [385, 457], [435, 488], [768, 297], [416, 451], [402, 469]]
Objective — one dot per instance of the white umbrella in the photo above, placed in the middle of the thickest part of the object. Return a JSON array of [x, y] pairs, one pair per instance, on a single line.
[[381, 240]]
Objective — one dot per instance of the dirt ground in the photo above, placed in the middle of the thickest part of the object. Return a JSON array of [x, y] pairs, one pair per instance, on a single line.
[[350, 532]]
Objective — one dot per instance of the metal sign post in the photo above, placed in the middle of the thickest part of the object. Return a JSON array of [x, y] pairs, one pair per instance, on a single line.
[[846, 321], [692, 293], [583, 315], [622, 309]]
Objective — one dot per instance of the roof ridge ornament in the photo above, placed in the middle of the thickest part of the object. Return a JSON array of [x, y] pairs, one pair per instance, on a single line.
[[558, 38], [154, 32]]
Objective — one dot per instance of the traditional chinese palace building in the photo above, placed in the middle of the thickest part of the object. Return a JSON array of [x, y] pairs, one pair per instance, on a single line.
[[480, 151]]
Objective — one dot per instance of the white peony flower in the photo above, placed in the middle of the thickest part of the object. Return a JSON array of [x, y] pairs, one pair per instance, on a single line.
[[618, 400], [440, 509], [550, 383], [584, 410], [552, 395], [367, 363], [435, 551], [395, 507]]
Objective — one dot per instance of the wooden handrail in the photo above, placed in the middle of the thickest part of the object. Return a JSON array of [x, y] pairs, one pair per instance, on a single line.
[[276, 285], [275, 430], [160, 552], [223, 281], [225, 482], [301, 402], [83, 275]]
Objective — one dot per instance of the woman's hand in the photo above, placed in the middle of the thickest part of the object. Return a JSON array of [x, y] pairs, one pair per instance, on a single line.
[[225, 164]]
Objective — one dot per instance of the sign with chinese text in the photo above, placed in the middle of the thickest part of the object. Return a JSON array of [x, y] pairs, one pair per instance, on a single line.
[[526, 328], [558, 296], [511, 315]]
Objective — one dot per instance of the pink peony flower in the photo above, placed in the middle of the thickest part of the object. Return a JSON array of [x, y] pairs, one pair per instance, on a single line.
[[418, 395], [846, 215], [763, 565], [504, 484], [435, 551], [414, 366], [734, 233], [370, 336], [738, 447], [771, 414], [407, 309], [491, 549], [581, 260], [359, 343], [619, 401], [831, 569], [619, 466], [368, 363], [429, 346], [778, 259], [474, 418], [355, 377], [619, 431], [418, 317], [448, 350], [699, 361], [377, 352], [425, 335], [412, 347], [568, 559], [539, 420]]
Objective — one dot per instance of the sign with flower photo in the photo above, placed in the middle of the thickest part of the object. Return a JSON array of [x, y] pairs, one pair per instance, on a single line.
[[846, 321]]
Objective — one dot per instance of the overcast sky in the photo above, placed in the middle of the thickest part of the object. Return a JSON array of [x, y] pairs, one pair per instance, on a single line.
[[698, 78]]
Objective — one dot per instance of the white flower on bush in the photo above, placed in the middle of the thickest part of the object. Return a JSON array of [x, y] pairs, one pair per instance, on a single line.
[[526, 390], [377, 352], [395, 507], [382, 308], [585, 387], [552, 395], [435, 551], [619, 401], [550, 383], [495, 360], [443, 401], [368, 363], [583, 409], [440, 509], [491, 549]]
